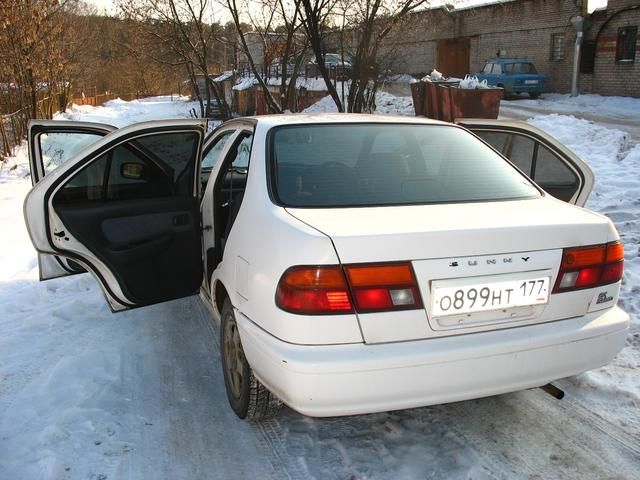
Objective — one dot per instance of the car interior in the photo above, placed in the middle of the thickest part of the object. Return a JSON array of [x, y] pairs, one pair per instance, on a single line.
[[228, 194], [536, 160]]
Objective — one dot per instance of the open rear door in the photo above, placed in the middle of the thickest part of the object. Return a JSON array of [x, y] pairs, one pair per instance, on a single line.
[[51, 143], [550, 164], [126, 209]]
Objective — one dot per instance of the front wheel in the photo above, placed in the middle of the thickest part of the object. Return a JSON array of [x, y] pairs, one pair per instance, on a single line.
[[248, 397]]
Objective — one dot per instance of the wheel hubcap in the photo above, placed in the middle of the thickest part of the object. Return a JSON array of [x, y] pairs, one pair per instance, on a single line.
[[234, 358]]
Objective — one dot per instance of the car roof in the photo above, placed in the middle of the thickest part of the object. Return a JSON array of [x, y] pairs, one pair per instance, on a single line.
[[508, 60], [324, 118]]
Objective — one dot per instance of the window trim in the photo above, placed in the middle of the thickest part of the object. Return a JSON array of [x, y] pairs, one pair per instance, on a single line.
[[560, 50], [633, 46]]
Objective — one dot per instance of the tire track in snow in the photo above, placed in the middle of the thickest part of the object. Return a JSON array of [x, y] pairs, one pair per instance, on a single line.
[[270, 432]]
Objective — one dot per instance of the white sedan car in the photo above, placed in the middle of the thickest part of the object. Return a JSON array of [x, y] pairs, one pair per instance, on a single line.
[[356, 263]]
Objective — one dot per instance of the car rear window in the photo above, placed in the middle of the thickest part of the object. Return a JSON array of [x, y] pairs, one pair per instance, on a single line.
[[388, 164]]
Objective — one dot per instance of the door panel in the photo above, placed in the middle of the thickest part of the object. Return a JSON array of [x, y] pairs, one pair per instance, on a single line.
[[51, 143], [127, 210], [144, 243], [554, 167]]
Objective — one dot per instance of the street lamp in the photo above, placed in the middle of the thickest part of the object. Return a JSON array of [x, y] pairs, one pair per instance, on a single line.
[[578, 24]]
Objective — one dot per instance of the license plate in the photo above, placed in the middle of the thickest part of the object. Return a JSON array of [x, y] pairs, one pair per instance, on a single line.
[[530, 82], [466, 298]]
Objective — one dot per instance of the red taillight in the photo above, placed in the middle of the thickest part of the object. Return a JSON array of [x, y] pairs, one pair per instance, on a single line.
[[366, 288], [588, 267], [383, 287], [314, 290]]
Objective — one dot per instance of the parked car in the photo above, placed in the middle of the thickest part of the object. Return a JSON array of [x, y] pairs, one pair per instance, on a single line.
[[355, 263], [276, 67], [514, 75], [334, 62]]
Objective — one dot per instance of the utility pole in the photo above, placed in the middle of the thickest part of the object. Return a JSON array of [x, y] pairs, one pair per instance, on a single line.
[[578, 25]]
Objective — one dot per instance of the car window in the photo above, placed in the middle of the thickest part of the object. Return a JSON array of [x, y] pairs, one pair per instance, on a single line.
[[523, 68], [497, 68], [345, 165], [498, 140], [242, 152], [487, 68], [551, 170], [145, 167], [215, 148], [58, 147], [517, 148], [521, 152]]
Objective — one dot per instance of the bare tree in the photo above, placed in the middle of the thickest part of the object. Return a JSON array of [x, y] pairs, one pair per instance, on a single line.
[[365, 26], [30, 58], [236, 11], [188, 31], [372, 22], [315, 16]]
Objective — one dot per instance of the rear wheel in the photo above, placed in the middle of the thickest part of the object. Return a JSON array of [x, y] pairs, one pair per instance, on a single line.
[[248, 398]]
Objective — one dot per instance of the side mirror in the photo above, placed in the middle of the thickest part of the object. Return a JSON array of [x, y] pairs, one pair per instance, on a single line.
[[133, 171]]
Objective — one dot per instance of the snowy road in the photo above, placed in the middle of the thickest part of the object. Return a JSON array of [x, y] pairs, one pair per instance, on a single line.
[[85, 394], [141, 395]]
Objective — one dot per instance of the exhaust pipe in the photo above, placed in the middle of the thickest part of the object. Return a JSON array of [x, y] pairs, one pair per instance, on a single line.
[[552, 390]]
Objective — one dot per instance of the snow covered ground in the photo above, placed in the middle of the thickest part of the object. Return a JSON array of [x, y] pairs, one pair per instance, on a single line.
[[85, 394]]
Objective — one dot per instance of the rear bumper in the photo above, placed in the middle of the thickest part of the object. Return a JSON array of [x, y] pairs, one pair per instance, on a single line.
[[358, 378]]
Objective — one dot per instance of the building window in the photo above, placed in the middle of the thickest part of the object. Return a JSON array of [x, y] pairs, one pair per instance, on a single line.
[[626, 44], [557, 46]]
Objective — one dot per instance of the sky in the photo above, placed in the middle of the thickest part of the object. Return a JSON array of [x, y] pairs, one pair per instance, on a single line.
[[109, 5]]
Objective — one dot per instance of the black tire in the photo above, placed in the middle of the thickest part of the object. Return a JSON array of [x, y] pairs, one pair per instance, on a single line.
[[248, 398], [507, 93], [533, 96]]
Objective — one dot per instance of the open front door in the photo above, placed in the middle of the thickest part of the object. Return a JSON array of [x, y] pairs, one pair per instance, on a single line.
[[126, 209], [51, 143], [550, 164]]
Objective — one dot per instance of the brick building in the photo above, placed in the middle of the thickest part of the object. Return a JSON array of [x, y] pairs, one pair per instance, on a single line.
[[458, 41], [611, 59]]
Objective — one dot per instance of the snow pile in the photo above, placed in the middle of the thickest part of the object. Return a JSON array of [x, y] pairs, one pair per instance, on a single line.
[[613, 107], [471, 82], [401, 78], [120, 113], [617, 195], [386, 103], [245, 83], [225, 76]]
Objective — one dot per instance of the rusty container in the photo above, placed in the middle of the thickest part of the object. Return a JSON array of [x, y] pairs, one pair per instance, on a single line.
[[417, 93], [477, 103], [447, 101]]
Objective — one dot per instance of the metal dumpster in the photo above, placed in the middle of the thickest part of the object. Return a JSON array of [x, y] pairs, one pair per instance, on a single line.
[[447, 101]]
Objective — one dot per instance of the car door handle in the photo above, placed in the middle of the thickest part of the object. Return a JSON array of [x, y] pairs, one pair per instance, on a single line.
[[181, 220]]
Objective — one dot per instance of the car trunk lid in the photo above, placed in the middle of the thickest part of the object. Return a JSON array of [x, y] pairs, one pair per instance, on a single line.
[[470, 244]]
